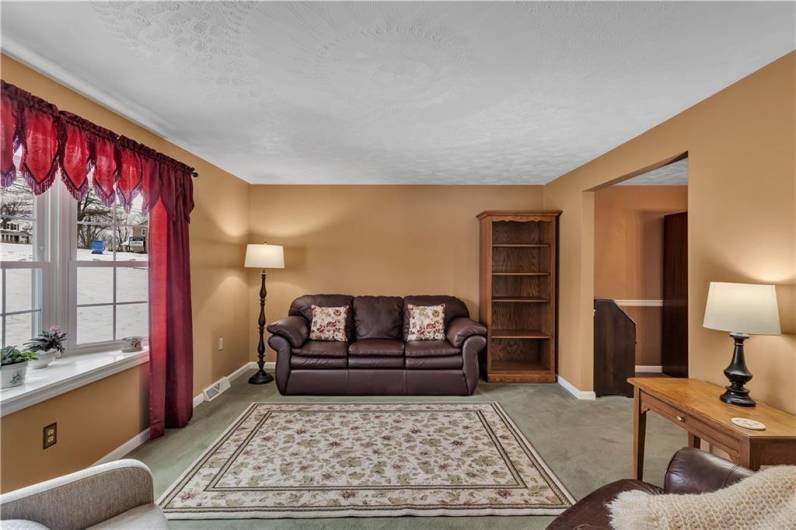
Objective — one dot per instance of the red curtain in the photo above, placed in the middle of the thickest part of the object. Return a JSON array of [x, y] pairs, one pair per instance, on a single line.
[[170, 329], [50, 141]]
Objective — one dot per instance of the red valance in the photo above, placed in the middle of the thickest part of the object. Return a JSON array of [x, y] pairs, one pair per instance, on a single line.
[[50, 141]]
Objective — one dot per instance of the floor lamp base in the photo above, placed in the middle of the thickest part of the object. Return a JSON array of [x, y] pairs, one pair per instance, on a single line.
[[261, 377]]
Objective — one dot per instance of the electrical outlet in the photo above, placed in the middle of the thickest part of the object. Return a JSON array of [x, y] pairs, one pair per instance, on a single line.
[[49, 435], [220, 343]]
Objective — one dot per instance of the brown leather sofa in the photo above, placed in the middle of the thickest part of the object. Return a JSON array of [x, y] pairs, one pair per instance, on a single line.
[[377, 359], [690, 471]]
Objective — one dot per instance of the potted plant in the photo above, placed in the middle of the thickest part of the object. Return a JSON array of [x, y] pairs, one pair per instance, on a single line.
[[49, 344], [14, 366]]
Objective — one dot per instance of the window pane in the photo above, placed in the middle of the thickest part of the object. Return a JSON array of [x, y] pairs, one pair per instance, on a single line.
[[94, 324], [17, 200], [132, 320], [94, 285], [23, 286], [20, 328], [18, 223], [94, 242], [132, 284], [133, 243], [16, 239]]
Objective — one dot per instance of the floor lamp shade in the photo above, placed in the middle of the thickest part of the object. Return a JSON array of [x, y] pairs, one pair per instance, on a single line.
[[265, 256], [745, 308]]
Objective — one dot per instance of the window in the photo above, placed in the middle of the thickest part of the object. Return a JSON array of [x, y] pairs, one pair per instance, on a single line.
[[89, 277], [111, 287], [23, 248]]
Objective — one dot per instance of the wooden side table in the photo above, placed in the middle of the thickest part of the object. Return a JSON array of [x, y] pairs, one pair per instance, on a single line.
[[695, 406]]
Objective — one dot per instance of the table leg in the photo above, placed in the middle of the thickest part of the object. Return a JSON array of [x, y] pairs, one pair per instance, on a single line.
[[639, 433], [694, 441]]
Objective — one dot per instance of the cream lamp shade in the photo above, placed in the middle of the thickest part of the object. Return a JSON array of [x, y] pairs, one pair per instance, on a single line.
[[745, 308], [265, 256]]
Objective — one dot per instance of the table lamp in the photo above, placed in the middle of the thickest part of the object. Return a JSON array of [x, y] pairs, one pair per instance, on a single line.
[[263, 256], [743, 309]]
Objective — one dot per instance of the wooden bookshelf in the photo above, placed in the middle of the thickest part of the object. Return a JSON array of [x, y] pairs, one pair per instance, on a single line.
[[518, 288]]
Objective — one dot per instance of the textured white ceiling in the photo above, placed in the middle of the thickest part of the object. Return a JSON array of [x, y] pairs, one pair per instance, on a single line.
[[675, 174], [398, 92]]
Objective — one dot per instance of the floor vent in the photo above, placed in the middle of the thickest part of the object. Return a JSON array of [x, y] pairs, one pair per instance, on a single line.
[[216, 388]]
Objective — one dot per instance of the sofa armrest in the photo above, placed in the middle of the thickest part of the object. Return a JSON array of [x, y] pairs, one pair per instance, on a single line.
[[84, 498], [695, 471], [461, 328], [293, 328]]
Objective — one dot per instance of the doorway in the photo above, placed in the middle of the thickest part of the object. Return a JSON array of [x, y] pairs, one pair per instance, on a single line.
[[641, 278]]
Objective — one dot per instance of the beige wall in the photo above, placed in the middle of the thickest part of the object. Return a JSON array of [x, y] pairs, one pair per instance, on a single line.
[[741, 146], [388, 240], [219, 226], [92, 421], [628, 254]]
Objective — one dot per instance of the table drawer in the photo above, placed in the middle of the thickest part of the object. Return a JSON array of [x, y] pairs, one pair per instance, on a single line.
[[693, 424]]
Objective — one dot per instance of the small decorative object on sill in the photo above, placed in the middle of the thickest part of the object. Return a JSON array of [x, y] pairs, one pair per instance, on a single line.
[[743, 309], [49, 345], [263, 257], [14, 366], [131, 344]]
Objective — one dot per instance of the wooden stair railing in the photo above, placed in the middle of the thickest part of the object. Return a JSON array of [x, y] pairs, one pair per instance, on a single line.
[[614, 349]]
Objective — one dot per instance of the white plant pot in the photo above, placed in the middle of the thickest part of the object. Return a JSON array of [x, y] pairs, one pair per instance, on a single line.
[[44, 359], [14, 374]]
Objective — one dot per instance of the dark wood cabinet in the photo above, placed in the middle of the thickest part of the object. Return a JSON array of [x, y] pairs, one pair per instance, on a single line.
[[518, 290], [614, 349], [674, 315]]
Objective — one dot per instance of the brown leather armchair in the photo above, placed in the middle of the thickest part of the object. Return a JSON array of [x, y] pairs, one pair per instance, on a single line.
[[690, 471], [376, 358]]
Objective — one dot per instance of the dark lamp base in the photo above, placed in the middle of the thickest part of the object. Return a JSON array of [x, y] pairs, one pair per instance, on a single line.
[[738, 375], [740, 398], [260, 378]]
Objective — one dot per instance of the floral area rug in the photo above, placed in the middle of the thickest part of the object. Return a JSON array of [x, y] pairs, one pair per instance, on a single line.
[[366, 460]]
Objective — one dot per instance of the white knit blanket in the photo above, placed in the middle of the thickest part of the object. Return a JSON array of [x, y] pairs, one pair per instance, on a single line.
[[766, 500]]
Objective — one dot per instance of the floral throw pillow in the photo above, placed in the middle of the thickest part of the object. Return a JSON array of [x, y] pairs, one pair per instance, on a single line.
[[328, 323], [426, 322]]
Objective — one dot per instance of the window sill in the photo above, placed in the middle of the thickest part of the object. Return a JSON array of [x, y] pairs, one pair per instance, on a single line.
[[65, 374]]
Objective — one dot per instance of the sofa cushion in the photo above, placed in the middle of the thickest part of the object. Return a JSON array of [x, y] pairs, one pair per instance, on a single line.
[[375, 362], [318, 348], [430, 348], [377, 347], [317, 363], [454, 308], [446, 362], [328, 323], [378, 317], [302, 306], [426, 322]]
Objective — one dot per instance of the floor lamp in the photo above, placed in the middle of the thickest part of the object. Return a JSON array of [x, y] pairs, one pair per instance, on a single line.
[[263, 256]]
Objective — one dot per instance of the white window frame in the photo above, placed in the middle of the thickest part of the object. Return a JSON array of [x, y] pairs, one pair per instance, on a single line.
[[42, 284], [55, 253]]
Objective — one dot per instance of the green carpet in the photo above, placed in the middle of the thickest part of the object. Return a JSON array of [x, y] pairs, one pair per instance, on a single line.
[[586, 443]]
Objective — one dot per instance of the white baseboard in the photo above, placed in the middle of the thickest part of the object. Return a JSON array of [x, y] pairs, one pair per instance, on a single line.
[[575, 391], [642, 369], [639, 303], [200, 398], [143, 436], [126, 447]]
